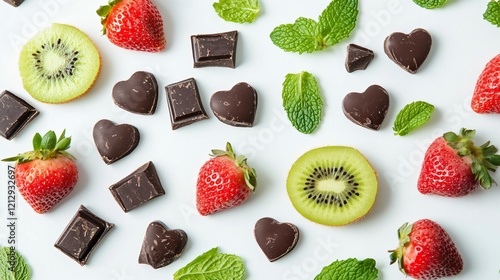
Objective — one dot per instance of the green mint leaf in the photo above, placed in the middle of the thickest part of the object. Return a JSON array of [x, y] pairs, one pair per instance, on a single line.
[[302, 101], [301, 36], [12, 265], [239, 11], [412, 116], [430, 4], [349, 269], [492, 13], [212, 265], [307, 35], [338, 20]]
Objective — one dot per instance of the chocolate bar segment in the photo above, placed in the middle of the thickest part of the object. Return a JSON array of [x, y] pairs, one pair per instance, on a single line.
[[139, 187], [357, 58], [184, 103], [82, 234], [14, 3], [217, 49], [15, 114]]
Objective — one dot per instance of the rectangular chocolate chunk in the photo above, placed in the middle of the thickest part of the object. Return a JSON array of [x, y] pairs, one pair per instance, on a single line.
[[217, 49], [137, 188], [82, 234], [14, 3], [15, 114], [184, 103]]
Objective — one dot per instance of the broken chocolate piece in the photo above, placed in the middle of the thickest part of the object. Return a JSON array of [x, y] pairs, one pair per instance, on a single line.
[[15, 114], [217, 49], [237, 106], [184, 103], [138, 94], [367, 109], [274, 238], [113, 141], [137, 188], [357, 58], [14, 3], [408, 51], [162, 246], [82, 234]]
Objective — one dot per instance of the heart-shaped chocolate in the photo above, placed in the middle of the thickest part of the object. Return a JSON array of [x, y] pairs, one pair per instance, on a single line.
[[274, 238], [138, 94], [235, 107], [162, 246], [113, 141], [408, 51], [367, 109]]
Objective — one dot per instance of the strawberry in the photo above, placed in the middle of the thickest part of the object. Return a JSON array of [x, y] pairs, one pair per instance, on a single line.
[[224, 181], [486, 98], [133, 24], [426, 251], [453, 166], [47, 174]]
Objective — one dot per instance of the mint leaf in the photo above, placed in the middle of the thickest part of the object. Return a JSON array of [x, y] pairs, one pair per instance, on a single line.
[[13, 265], [212, 265], [307, 35], [412, 116], [430, 4], [302, 101], [492, 13], [349, 269], [239, 11]]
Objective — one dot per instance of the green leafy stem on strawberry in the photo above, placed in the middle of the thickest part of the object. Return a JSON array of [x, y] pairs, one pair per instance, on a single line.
[[240, 161], [483, 158]]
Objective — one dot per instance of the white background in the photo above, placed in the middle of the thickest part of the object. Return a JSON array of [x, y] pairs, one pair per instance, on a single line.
[[462, 44]]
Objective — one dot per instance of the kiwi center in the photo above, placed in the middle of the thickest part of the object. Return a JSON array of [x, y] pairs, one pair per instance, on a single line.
[[332, 185], [55, 61]]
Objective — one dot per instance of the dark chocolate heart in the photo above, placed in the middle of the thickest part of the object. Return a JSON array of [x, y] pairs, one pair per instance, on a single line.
[[113, 141], [367, 109], [138, 94], [235, 107], [274, 238], [408, 51], [162, 246]]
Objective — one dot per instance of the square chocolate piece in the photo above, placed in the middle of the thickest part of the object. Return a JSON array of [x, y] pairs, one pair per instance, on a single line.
[[15, 114], [217, 49], [184, 103], [139, 187], [82, 234], [14, 3]]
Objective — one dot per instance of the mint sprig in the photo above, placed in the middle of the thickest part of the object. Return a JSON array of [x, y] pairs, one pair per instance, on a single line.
[[307, 35], [302, 101], [212, 265], [240, 11], [412, 116], [430, 4], [492, 13], [12, 265], [349, 269]]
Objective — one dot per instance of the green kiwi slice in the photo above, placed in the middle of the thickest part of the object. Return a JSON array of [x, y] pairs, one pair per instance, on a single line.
[[332, 185], [59, 64]]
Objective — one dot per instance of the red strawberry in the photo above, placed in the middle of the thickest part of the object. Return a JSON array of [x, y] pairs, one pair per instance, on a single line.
[[426, 251], [133, 24], [486, 98], [453, 166], [47, 174], [224, 181]]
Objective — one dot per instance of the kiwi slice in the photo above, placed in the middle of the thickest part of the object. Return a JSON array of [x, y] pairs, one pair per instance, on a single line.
[[332, 185], [59, 64]]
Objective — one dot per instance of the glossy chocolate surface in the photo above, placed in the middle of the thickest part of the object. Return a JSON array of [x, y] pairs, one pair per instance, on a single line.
[[81, 236], [357, 58], [217, 49], [138, 94], [137, 188], [274, 238], [113, 141], [367, 109], [236, 107], [408, 51], [15, 114], [184, 103]]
